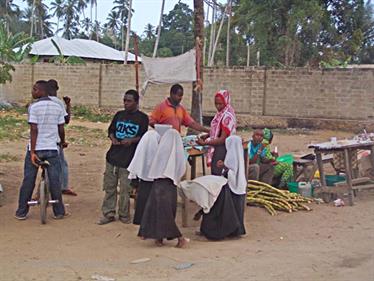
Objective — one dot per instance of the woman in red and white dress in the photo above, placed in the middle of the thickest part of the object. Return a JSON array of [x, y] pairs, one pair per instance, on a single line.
[[222, 126]]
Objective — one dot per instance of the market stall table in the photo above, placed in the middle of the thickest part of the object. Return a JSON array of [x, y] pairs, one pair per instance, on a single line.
[[346, 146]]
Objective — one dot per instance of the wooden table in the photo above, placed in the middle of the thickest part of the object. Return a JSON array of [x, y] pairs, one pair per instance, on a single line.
[[194, 153], [347, 147]]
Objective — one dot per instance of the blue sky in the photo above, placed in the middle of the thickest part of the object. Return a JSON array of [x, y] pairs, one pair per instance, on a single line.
[[146, 11]]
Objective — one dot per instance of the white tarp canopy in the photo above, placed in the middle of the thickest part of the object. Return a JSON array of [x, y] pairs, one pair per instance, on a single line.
[[80, 48], [170, 70]]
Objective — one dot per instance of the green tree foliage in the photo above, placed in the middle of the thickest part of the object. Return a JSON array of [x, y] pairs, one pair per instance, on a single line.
[[285, 32], [176, 33], [296, 32], [13, 48]]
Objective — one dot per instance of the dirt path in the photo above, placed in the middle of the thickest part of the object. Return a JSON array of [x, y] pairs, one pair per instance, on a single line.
[[328, 243]]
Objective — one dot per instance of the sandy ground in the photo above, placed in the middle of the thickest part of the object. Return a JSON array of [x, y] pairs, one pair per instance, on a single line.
[[328, 243]]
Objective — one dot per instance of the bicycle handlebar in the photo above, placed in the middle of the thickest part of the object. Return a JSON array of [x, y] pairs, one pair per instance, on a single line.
[[43, 164]]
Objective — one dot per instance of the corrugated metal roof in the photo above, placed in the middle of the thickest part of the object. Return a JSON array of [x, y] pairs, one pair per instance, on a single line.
[[80, 48]]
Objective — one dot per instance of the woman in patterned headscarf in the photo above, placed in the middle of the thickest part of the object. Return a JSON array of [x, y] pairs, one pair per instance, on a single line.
[[222, 126]]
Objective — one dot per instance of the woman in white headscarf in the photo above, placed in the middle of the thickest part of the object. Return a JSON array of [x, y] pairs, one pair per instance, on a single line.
[[167, 169], [139, 169], [225, 218]]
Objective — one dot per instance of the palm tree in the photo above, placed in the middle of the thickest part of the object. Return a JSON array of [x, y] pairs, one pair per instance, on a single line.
[[11, 10], [122, 8], [58, 10], [71, 19], [92, 3], [82, 5], [86, 24], [41, 11], [149, 31], [32, 19], [112, 21]]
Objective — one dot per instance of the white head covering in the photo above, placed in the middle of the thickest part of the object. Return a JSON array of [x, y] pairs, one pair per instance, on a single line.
[[203, 190], [144, 153], [169, 160], [234, 161]]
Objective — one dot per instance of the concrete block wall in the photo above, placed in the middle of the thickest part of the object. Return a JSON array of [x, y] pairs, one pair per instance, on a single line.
[[339, 94], [346, 94], [19, 90]]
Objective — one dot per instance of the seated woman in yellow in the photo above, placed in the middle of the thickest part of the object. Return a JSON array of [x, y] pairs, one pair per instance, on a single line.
[[282, 170]]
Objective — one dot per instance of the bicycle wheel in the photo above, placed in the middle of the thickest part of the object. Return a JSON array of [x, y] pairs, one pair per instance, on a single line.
[[43, 199]]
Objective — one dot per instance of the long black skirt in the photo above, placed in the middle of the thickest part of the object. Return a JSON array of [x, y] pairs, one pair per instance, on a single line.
[[158, 221], [143, 191], [218, 154], [223, 220], [239, 204]]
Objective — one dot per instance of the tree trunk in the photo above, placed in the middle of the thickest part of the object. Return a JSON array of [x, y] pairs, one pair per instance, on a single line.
[[122, 36], [32, 17], [196, 108], [158, 30], [90, 37], [96, 23], [128, 32], [228, 35]]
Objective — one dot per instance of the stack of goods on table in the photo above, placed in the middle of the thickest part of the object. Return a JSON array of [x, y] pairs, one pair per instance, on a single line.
[[273, 199]]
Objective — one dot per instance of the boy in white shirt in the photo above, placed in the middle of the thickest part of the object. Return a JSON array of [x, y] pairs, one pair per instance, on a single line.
[[64, 176], [46, 119]]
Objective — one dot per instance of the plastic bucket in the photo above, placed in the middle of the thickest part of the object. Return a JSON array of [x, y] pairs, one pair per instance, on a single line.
[[293, 187], [285, 158]]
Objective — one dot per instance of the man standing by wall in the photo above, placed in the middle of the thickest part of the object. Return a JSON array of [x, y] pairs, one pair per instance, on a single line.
[[171, 112], [125, 131]]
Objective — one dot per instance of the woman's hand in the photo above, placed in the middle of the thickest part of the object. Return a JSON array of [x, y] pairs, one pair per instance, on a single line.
[[204, 136], [200, 141], [220, 164]]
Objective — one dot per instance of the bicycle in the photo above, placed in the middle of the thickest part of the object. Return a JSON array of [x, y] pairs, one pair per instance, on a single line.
[[43, 190]]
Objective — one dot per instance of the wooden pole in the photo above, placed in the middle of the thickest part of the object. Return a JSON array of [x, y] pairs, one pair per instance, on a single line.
[[211, 62], [196, 107], [158, 30], [228, 34], [248, 54], [212, 34], [128, 32], [136, 62]]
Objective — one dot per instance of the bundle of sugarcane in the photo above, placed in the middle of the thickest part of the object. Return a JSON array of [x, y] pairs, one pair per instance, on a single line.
[[272, 199]]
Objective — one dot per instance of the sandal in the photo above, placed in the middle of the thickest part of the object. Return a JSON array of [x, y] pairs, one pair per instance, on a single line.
[[69, 192]]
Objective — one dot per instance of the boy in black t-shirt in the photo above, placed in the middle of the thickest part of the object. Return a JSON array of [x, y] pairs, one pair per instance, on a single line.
[[125, 131]]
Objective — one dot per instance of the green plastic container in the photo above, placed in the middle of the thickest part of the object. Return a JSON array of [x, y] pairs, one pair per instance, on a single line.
[[285, 158], [332, 179], [293, 187]]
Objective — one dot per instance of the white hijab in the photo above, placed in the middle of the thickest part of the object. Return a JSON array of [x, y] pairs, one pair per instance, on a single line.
[[169, 160], [203, 190], [234, 161], [143, 157]]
